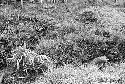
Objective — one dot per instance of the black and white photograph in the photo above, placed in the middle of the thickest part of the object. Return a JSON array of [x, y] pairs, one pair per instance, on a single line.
[[62, 41]]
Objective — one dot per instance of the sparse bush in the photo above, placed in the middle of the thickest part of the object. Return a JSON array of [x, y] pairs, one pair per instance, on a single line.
[[27, 69]]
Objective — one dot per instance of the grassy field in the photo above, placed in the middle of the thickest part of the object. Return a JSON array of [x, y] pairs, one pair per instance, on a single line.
[[76, 42]]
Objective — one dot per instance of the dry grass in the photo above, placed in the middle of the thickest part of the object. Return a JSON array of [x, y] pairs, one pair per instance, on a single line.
[[86, 74]]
